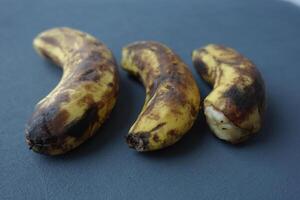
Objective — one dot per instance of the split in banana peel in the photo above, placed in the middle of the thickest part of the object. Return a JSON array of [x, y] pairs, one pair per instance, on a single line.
[[84, 97], [234, 109], [172, 96]]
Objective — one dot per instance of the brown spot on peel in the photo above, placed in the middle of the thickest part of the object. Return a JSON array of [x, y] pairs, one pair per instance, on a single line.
[[89, 75], [156, 138], [50, 40], [158, 127], [173, 133], [201, 67], [85, 123]]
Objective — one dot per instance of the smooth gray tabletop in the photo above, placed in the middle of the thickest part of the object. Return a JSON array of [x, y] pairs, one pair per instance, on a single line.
[[198, 167]]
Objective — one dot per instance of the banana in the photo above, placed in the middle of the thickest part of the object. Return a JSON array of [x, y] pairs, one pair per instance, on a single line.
[[172, 96], [234, 109], [84, 97]]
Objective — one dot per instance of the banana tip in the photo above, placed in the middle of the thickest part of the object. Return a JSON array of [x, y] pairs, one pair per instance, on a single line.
[[137, 141]]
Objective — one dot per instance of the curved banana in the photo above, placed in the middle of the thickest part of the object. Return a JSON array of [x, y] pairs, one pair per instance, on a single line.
[[172, 96], [234, 108], [84, 97]]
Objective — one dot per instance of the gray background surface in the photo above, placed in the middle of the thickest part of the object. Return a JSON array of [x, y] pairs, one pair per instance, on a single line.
[[199, 166]]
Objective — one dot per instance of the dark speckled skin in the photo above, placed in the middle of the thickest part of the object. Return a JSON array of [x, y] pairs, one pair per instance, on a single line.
[[239, 91], [84, 97], [171, 95]]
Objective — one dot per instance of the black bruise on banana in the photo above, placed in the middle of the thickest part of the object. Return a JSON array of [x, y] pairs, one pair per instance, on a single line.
[[235, 107], [172, 96], [73, 111]]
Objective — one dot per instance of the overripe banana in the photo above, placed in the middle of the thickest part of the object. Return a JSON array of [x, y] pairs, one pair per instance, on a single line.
[[172, 96], [234, 108], [84, 97]]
